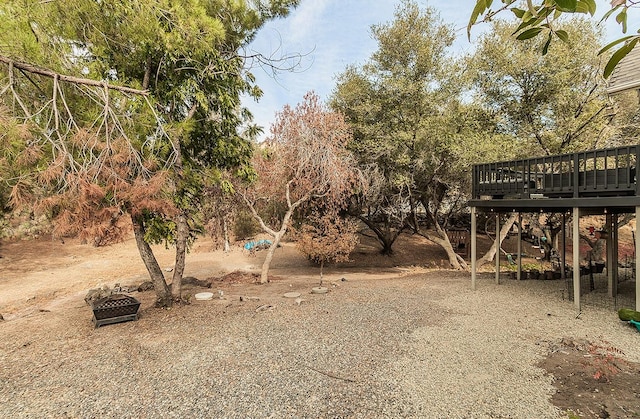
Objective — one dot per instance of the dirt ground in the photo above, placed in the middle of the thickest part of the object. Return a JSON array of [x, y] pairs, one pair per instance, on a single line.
[[592, 380]]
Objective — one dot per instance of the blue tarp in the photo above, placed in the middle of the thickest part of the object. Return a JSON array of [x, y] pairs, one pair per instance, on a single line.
[[257, 244]]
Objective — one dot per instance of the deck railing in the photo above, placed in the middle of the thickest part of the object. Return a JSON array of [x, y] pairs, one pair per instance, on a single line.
[[605, 172]]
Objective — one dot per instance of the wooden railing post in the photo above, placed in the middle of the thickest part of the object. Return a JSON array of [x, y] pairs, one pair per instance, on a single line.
[[474, 182], [637, 151], [576, 175]]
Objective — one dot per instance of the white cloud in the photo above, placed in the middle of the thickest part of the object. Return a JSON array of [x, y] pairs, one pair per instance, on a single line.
[[333, 34], [306, 19]]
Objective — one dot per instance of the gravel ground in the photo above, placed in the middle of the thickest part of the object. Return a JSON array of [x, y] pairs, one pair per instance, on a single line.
[[423, 346]]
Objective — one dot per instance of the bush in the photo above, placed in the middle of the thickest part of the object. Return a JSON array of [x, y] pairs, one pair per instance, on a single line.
[[245, 226]]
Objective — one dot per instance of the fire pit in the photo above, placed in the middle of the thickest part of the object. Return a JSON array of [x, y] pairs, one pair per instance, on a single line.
[[115, 309]]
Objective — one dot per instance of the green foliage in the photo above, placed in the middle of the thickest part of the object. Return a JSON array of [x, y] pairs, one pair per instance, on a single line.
[[413, 135], [527, 267], [545, 17], [572, 415], [244, 226], [17, 157], [185, 54], [627, 118], [159, 229], [627, 314], [551, 104]]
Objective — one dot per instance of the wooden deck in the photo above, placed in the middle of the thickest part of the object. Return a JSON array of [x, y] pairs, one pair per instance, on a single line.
[[596, 178], [587, 182]]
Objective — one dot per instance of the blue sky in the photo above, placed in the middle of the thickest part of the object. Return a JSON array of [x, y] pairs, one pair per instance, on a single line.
[[332, 34]]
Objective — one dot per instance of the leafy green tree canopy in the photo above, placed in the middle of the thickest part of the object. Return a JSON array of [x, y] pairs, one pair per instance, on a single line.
[[544, 19], [550, 104], [187, 58], [413, 134]]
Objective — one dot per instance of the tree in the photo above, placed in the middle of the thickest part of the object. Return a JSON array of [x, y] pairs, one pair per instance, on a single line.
[[146, 156], [411, 128], [219, 211], [326, 237], [547, 110], [382, 207], [626, 118], [304, 159], [545, 19], [542, 109]]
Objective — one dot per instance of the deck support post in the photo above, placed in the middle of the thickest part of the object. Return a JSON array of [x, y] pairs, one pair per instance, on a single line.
[[563, 244], [637, 264], [498, 248], [576, 257], [519, 258], [474, 236], [612, 254], [615, 254], [609, 265]]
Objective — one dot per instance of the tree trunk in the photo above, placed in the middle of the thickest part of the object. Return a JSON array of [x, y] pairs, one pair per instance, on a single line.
[[598, 250], [387, 243], [157, 277], [264, 275], [491, 253], [182, 236], [414, 215], [442, 239], [225, 230], [385, 237]]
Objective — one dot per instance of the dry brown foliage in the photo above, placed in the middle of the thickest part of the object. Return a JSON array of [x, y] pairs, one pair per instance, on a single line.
[[327, 238], [86, 174], [305, 156], [97, 210]]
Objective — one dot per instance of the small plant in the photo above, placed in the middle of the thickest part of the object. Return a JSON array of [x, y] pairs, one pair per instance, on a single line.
[[327, 238], [528, 267], [605, 360], [572, 415]]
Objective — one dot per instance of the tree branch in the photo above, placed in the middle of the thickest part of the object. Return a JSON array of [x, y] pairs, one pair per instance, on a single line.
[[257, 216], [71, 79]]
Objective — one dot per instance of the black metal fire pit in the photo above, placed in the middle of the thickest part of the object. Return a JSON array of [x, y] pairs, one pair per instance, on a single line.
[[115, 309]]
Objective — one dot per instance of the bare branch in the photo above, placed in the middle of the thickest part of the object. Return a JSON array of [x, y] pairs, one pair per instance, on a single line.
[[71, 79]]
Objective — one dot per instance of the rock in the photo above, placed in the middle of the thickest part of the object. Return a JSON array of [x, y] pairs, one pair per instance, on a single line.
[[168, 269], [96, 294], [129, 288], [299, 301], [245, 298], [265, 307], [145, 286], [1, 318], [190, 280], [319, 290]]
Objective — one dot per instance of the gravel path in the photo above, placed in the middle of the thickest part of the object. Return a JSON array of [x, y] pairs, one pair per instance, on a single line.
[[424, 346]]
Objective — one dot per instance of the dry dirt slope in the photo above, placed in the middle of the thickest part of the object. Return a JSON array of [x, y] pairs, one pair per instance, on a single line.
[[400, 346]]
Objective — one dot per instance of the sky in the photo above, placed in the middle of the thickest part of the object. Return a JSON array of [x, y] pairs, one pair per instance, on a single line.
[[333, 34]]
